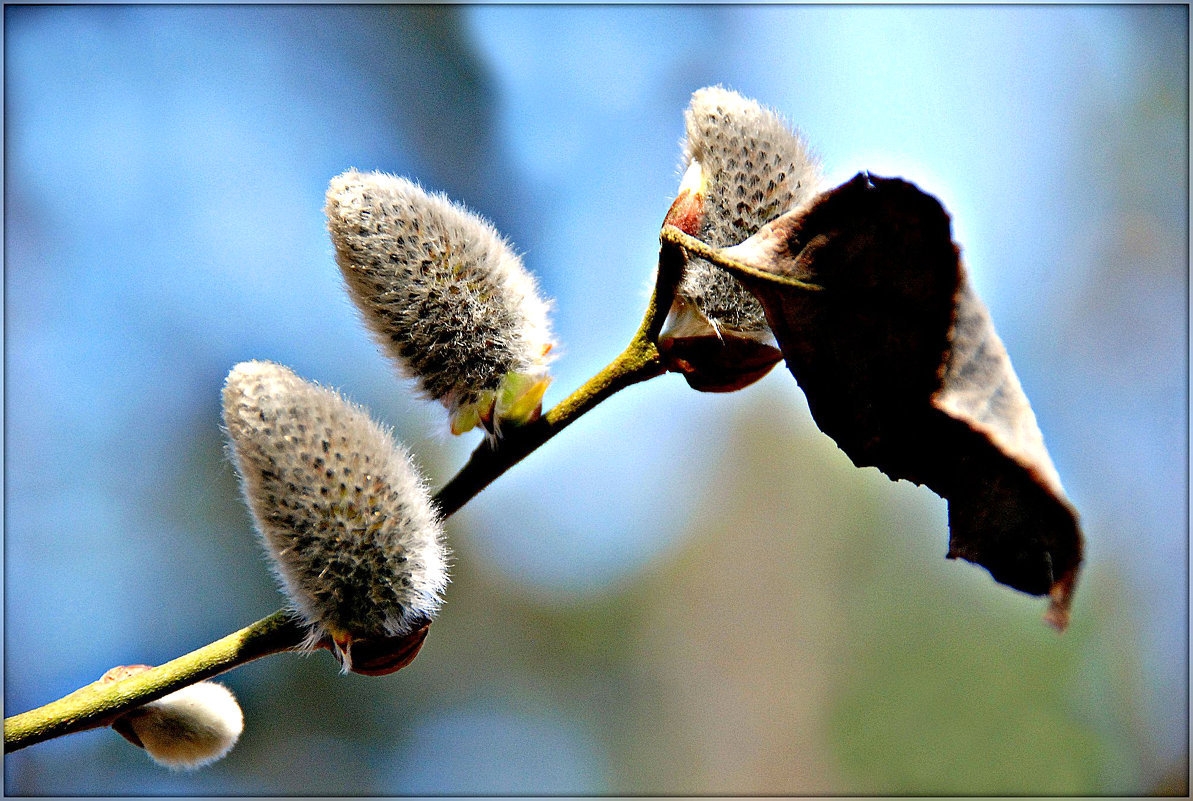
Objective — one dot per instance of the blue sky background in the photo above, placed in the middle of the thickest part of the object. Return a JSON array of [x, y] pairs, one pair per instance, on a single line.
[[164, 177]]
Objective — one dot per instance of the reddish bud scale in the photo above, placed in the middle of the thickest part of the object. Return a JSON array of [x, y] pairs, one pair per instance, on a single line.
[[718, 364], [686, 212], [384, 655]]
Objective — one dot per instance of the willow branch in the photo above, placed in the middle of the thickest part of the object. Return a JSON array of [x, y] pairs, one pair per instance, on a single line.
[[100, 704]]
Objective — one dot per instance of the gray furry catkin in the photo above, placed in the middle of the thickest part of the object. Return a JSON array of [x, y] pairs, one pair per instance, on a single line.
[[444, 296], [340, 506], [745, 166]]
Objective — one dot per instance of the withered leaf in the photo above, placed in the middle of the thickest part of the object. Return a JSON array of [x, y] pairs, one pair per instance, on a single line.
[[902, 367]]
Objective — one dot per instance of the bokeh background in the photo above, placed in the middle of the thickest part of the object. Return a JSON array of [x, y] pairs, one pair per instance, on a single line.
[[683, 593]]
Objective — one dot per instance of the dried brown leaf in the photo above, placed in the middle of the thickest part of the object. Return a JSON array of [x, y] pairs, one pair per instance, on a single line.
[[902, 367]]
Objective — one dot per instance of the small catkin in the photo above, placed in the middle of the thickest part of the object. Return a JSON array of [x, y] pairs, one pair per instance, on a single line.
[[340, 506], [190, 728], [753, 167], [444, 296]]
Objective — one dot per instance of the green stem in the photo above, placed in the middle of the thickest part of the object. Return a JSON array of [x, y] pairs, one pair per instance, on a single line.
[[638, 362], [100, 704]]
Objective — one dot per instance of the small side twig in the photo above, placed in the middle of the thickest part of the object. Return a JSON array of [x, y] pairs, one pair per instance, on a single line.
[[676, 238]]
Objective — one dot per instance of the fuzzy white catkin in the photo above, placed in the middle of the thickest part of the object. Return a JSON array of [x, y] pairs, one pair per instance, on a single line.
[[754, 167], [439, 288], [192, 727], [340, 506]]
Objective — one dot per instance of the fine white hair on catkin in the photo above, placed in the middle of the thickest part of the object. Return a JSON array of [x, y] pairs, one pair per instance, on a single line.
[[439, 288], [755, 167], [190, 728], [340, 506]]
